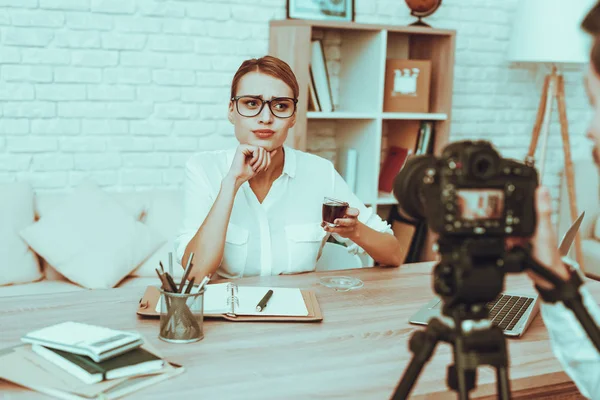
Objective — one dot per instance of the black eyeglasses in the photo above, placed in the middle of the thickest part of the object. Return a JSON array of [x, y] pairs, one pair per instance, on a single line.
[[251, 106]]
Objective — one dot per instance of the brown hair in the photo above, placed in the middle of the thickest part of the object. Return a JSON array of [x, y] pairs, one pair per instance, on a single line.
[[591, 24], [267, 65]]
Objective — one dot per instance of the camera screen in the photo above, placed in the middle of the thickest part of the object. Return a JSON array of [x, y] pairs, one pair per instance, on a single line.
[[476, 204]]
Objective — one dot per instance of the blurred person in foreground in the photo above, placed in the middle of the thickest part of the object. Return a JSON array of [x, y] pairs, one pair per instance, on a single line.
[[570, 343]]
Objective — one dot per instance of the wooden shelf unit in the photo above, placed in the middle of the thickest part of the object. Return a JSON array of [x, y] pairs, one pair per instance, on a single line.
[[359, 119]]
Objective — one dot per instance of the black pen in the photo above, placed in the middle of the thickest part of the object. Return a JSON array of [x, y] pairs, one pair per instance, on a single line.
[[263, 302]]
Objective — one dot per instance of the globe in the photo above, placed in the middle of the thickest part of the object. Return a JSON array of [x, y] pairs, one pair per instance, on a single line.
[[422, 8]]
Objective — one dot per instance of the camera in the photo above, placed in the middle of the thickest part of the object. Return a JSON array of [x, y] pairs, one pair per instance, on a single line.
[[473, 198], [469, 191]]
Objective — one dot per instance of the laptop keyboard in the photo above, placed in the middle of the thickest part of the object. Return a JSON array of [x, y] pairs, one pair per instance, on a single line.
[[506, 310]]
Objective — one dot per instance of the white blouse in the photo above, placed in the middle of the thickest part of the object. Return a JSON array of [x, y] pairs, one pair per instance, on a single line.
[[572, 346], [283, 235]]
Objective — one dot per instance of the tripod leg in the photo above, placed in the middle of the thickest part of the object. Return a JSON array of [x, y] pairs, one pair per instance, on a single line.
[[503, 383], [539, 120], [462, 382], [564, 131], [422, 345]]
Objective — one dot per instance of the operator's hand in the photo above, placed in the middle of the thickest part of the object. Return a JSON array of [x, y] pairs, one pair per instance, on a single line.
[[347, 226], [544, 247], [249, 161]]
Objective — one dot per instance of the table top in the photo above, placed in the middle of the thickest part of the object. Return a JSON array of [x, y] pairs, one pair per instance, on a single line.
[[359, 350]]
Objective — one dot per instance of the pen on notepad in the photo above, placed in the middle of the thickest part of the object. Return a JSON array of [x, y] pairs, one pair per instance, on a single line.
[[263, 302]]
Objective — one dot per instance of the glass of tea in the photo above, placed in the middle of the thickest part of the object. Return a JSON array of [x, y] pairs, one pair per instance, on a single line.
[[333, 209]]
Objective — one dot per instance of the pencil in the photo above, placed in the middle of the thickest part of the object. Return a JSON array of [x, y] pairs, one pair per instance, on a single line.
[[188, 269]]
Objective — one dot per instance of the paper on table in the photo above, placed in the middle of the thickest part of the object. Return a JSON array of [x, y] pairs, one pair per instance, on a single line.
[[284, 302]]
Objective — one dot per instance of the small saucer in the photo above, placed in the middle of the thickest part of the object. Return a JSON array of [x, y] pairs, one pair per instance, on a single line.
[[341, 283]]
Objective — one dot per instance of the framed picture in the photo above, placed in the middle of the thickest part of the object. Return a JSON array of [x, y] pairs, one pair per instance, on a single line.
[[333, 10]]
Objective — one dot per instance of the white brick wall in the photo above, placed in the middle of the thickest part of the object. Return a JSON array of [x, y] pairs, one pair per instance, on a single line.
[[125, 91]]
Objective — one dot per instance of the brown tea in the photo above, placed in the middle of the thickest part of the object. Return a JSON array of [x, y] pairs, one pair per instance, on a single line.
[[333, 210]]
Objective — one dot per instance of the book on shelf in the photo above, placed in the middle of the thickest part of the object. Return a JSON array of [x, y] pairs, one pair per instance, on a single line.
[[318, 68], [313, 100], [425, 140], [394, 160], [97, 342], [347, 159], [135, 362], [23, 366]]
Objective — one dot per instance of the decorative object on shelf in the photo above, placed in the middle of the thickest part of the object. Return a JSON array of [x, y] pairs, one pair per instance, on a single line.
[[407, 84], [536, 41], [422, 9], [333, 10]]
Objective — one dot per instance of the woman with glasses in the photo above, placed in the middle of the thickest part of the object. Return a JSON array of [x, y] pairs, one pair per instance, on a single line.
[[256, 209]]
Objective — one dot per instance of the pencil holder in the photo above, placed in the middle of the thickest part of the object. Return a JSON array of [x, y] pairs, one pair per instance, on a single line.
[[181, 316]]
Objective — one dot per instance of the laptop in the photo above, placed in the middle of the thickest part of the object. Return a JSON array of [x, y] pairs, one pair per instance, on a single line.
[[512, 312]]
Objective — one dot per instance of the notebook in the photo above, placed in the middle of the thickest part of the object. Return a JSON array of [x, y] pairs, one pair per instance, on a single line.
[[97, 342], [286, 304], [135, 362], [229, 298]]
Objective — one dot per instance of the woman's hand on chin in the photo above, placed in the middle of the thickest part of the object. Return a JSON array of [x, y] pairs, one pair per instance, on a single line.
[[248, 161]]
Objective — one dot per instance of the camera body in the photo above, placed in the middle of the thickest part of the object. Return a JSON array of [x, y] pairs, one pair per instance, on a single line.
[[469, 191], [473, 199]]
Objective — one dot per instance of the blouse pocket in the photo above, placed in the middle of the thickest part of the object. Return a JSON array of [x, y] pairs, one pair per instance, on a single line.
[[304, 242], [235, 251]]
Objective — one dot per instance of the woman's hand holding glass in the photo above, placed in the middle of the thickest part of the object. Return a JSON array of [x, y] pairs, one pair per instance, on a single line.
[[249, 161], [347, 226]]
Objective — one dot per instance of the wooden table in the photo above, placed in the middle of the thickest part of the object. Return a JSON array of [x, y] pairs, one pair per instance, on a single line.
[[359, 351]]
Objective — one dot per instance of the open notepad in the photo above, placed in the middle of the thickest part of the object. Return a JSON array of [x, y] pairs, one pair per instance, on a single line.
[[231, 299]]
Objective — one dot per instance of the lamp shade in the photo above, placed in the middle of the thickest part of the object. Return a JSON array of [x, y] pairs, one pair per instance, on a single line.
[[549, 31]]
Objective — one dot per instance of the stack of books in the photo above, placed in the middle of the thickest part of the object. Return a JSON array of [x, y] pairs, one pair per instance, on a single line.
[[75, 360]]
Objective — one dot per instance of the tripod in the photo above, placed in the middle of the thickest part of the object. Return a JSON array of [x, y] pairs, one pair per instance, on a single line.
[[474, 339]]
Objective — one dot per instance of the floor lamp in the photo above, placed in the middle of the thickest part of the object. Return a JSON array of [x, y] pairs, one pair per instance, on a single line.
[[548, 33]]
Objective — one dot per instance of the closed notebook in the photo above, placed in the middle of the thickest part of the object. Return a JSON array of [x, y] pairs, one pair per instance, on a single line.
[[229, 298], [21, 365], [134, 362], [97, 342]]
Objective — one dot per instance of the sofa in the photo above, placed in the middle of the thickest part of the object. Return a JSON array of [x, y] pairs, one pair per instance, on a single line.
[[587, 191], [157, 215]]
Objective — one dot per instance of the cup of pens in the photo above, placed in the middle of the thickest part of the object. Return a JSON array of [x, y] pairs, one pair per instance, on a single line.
[[181, 306], [182, 316]]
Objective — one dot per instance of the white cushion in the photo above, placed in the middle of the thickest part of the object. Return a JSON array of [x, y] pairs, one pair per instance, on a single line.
[[18, 263], [134, 202], [164, 214], [90, 239]]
